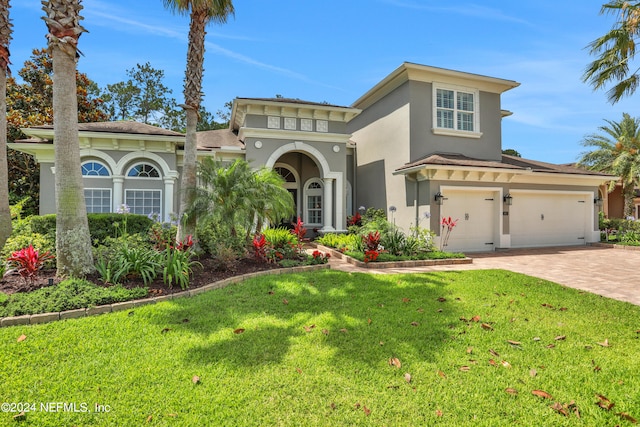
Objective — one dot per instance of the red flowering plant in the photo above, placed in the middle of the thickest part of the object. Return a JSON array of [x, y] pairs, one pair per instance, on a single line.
[[447, 225], [354, 220], [186, 244], [320, 257], [260, 246], [372, 246], [28, 261], [300, 232]]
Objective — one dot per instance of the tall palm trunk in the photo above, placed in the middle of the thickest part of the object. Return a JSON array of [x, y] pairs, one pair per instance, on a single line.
[[5, 37], [73, 241], [192, 96]]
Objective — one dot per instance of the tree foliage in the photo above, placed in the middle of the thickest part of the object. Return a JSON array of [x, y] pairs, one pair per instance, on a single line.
[[615, 52], [616, 150], [30, 103], [511, 152]]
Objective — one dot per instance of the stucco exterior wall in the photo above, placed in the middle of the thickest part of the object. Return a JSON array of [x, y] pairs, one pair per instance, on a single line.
[[382, 134], [424, 142]]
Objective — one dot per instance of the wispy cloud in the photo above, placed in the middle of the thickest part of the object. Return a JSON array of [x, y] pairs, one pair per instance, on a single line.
[[164, 30], [469, 9]]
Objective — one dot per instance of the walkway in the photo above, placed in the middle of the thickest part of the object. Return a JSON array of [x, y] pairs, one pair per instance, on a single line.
[[613, 273]]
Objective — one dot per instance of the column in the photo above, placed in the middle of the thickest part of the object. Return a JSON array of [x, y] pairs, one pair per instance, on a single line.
[[169, 182], [327, 200], [118, 192]]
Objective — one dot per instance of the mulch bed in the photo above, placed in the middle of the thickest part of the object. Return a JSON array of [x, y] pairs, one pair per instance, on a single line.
[[209, 273]]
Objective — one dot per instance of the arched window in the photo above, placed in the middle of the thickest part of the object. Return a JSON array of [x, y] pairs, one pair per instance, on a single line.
[[143, 170], [93, 168], [313, 201]]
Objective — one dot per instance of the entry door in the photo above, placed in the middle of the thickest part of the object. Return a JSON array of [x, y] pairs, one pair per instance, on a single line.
[[476, 215]]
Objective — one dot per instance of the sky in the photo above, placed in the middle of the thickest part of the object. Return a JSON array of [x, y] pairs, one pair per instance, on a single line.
[[335, 50]]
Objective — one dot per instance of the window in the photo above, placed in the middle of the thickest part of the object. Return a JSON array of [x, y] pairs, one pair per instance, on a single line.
[[313, 199], [94, 169], [98, 200], [144, 202], [143, 170], [456, 111]]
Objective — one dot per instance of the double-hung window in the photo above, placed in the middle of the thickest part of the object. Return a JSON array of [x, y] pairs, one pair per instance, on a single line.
[[456, 111]]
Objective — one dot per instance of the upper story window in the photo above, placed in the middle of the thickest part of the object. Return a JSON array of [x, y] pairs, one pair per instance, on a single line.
[[94, 169], [143, 170], [456, 111]]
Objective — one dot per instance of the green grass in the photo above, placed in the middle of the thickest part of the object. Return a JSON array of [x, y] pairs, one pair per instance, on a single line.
[[141, 363]]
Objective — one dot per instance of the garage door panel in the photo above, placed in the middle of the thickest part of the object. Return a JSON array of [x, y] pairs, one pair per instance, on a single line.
[[475, 213], [547, 219]]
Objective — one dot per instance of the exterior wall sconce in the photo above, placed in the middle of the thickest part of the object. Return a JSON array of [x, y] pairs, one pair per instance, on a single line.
[[508, 199], [439, 198], [598, 201]]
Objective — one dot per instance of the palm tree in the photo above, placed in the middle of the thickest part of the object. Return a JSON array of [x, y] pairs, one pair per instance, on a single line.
[[615, 50], [73, 242], [202, 12], [617, 151], [240, 197], [5, 37]]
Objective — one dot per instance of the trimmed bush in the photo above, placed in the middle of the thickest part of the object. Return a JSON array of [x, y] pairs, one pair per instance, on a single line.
[[101, 225]]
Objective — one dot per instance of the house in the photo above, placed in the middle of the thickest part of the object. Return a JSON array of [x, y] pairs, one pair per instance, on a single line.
[[423, 144]]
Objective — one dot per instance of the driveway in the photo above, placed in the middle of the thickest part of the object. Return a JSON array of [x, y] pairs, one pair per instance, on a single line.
[[613, 273]]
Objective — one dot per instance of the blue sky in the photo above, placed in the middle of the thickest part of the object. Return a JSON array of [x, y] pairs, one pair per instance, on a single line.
[[335, 50]]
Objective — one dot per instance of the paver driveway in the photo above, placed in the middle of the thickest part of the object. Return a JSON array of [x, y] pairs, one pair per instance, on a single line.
[[613, 273]]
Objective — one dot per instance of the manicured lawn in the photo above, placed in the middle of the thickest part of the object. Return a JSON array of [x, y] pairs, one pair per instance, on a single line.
[[337, 371]]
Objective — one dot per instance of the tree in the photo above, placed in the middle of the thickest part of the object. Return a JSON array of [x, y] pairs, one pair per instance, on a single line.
[[239, 197], [202, 12], [73, 241], [143, 97], [617, 152], [615, 52], [175, 118], [5, 37], [30, 103], [511, 152]]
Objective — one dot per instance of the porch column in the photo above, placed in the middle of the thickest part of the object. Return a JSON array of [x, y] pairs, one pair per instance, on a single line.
[[118, 193], [327, 200], [169, 183]]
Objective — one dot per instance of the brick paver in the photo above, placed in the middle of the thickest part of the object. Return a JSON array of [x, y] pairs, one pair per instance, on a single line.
[[613, 273]]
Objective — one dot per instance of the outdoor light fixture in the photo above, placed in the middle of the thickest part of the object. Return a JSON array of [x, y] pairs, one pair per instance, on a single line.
[[598, 201], [508, 199], [439, 198]]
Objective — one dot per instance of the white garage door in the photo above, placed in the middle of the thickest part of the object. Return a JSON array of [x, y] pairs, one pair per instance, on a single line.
[[548, 219], [476, 215]]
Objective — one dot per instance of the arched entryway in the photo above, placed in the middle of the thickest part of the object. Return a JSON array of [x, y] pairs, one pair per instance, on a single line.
[[319, 191]]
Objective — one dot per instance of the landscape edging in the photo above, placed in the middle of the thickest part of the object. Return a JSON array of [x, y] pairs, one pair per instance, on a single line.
[[33, 319], [394, 264]]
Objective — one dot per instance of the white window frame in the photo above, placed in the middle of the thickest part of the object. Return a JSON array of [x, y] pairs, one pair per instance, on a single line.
[[455, 131], [109, 207], [159, 177], [151, 190], [96, 176], [313, 192]]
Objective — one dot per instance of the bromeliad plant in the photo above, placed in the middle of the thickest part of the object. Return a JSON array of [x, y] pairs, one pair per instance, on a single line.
[[372, 246], [28, 262], [300, 232], [447, 226]]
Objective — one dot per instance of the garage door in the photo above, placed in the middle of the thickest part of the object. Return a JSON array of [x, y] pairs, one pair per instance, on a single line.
[[548, 219], [476, 215]]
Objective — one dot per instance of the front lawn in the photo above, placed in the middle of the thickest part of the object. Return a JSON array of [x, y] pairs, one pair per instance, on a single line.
[[332, 348]]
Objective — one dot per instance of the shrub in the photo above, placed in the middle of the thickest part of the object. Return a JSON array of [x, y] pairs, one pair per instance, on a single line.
[[341, 242], [67, 295], [226, 257], [118, 263], [3, 298], [212, 236], [101, 225], [28, 262], [23, 238]]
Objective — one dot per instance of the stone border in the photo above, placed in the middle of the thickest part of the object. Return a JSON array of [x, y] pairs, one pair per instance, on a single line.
[[393, 264], [33, 319], [616, 246]]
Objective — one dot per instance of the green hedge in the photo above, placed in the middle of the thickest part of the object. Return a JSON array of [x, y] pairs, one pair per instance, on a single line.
[[101, 225]]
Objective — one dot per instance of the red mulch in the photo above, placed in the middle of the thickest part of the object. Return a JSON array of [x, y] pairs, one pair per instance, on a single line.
[[209, 273]]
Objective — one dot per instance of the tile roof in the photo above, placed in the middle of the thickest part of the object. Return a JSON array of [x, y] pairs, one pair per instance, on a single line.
[[129, 127], [210, 139], [507, 162]]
